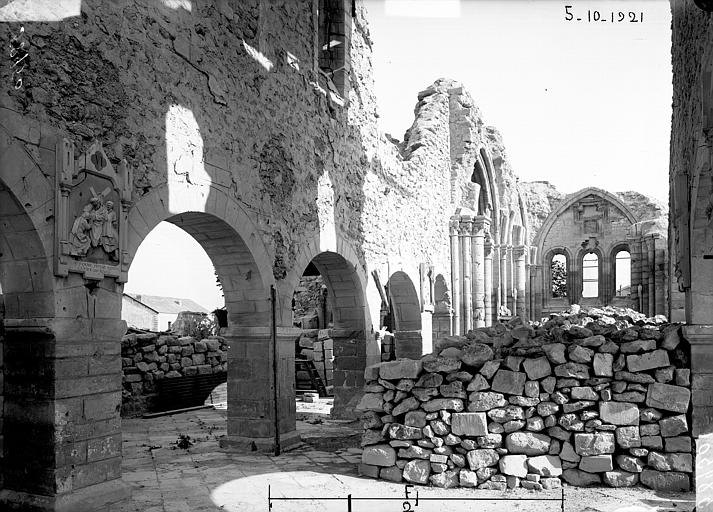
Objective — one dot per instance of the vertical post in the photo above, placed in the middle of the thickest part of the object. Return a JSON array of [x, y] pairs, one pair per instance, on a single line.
[[651, 246], [455, 274], [466, 223], [273, 335], [635, 244], [488, 281]]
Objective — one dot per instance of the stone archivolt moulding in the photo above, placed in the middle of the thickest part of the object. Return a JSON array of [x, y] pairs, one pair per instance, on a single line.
[[92, 200]]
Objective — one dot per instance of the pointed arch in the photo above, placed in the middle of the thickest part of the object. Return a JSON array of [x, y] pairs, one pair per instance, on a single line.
[[569, 201]]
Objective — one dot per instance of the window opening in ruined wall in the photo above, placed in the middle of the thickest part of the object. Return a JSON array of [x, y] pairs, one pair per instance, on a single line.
[[332, 41], [590, 276], [558, 273], [622, 262]]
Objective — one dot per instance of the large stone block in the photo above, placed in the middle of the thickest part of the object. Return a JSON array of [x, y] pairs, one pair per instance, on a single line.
[[665, 480], [400, 369], [443, 404], [476, 354], [469, 424], [379, 455], [481, 401], [580, 478], [515, 465], [545, 465], [573, 370], [555, 353], [619, 478], [599, 443], [673, 426], [647, 361], [433, 364], [619, 413], [603, 365], [668, 397], [537, 368], [403, 432], [417, 471], [506, 381], [371, 402], [596, 463], [482, 458], [628, 437], [528, 443]]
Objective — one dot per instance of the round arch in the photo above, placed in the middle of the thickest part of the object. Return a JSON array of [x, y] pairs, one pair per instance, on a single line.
[[547, 274], [229, 238], [406, 304], [579, 280], [493, 186], [617, 248]]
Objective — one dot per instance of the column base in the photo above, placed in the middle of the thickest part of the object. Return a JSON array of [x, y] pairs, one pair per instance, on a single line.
[[260, 444], [95, 498]]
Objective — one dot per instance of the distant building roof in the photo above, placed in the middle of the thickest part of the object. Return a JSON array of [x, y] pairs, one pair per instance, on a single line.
[[133, 299], [168, 304]]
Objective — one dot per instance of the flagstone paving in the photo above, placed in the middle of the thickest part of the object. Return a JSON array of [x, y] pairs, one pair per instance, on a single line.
[[203, 477]]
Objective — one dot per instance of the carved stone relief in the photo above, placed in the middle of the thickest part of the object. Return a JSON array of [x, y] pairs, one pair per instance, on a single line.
[[92, 199]]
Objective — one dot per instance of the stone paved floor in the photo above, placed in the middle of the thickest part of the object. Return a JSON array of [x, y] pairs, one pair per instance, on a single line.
[[165, 478]]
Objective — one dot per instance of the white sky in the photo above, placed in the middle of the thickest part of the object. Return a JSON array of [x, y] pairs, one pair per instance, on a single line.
[[578, 104]]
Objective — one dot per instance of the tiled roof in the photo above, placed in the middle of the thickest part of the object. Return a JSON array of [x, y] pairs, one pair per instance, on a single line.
[[168, 304]]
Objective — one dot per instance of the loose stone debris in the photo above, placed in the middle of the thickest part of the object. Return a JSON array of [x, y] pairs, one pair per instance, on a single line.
[[592, 396]]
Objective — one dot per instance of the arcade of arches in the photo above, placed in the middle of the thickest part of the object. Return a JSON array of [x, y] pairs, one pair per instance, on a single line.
[[273, 165]]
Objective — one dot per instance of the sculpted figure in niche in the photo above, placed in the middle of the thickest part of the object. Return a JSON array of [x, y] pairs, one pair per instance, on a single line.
[[98, 220], [96, 226], [80, 236], [109, 238]]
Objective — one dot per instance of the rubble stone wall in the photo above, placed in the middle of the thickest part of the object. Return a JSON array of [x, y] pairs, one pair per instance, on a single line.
[[149, 357], [589, 398]]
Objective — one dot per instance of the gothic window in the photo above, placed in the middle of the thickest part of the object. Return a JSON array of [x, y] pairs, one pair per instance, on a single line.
[[590, 275], [622, 272], [333, 37], [558, 276]]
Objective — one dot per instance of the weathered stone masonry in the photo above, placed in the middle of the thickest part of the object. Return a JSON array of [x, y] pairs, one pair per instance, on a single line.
[[592, 398], [219, 120]]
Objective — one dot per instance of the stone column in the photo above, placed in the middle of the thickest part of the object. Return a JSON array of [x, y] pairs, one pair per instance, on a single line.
[[651, 274], [455, 274], [660, 306], [520, 280], [503, 276], [481, 225], [349, 365], [61, 420], [635, 251], [488, 281], [465, 233], [251, 396]]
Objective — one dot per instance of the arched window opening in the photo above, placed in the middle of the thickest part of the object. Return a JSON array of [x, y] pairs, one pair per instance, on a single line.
[[334, 27], [622, 262], [478, 178], [590, 276], [558, 273]]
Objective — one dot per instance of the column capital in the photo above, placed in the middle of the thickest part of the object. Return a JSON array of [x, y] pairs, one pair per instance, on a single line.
[[466, 225], [519, 251], [481, 225], [698, 334]]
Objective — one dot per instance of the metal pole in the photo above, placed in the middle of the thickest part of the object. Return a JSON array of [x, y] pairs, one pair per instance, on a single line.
[[274, 368]]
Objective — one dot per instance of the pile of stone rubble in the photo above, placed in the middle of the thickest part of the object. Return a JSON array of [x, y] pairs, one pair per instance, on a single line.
[[591, 397]]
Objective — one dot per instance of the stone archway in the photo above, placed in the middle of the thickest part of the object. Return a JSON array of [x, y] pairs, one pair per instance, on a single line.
[[406, 311], [345, 281], [261, 408]]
